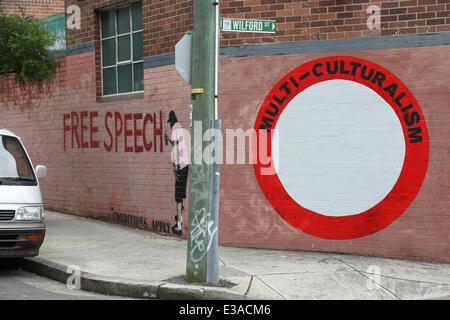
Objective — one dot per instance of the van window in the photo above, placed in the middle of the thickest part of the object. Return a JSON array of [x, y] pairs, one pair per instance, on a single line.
[[15, 168]]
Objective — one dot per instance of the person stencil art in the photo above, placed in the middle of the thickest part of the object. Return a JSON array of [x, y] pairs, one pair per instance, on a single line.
[[180, 162]]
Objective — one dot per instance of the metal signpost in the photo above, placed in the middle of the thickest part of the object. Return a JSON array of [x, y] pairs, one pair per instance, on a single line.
[[197, 60]]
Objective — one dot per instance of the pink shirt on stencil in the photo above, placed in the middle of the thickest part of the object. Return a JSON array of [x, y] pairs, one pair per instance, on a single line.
[[179, 135]]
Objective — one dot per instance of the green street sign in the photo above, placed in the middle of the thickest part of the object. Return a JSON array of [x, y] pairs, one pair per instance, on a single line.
[[247, 25]]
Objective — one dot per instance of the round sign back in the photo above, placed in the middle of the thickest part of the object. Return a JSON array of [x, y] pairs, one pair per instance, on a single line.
[[342, 147]]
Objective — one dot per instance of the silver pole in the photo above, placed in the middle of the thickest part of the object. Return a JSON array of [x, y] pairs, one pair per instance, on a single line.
[[212, 257], [216, 75]]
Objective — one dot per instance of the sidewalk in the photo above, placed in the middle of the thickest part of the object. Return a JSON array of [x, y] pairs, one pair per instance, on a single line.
[[119, 260]]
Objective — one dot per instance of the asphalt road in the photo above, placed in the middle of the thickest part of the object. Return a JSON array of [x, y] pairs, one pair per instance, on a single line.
[[16, 284]]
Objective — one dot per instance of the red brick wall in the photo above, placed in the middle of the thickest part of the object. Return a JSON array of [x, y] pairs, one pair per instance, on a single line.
[[336, 19], [96, 182], [165, 22], [422, 232], [36, 8]]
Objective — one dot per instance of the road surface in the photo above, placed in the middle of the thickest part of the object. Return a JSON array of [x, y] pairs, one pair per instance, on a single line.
[[16, 284]]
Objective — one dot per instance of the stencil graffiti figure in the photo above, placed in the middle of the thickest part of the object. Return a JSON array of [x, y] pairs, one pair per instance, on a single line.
[[180, 161]]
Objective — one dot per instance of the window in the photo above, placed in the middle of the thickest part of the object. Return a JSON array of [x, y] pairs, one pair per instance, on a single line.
[[122, 51], [15, 168]]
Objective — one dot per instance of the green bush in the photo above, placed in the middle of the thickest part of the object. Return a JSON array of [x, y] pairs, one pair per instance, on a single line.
[[25, 49]]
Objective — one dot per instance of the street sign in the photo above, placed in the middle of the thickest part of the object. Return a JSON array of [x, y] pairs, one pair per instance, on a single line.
[[183, 57], [247, 25]]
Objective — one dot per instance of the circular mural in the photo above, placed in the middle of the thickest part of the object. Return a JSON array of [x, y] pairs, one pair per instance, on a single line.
[[341, 147]]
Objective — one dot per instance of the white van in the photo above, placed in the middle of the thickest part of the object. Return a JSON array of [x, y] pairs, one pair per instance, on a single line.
[[22, 227]]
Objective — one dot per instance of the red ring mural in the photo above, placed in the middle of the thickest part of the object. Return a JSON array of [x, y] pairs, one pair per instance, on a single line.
[[415, 133]]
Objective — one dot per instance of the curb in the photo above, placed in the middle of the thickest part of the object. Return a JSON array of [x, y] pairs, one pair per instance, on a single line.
[[128, 288]]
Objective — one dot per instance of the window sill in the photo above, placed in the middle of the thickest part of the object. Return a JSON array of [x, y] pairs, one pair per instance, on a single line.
[[122, 97]]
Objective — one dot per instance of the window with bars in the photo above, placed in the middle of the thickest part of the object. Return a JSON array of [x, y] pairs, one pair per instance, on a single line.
[[122, 50]]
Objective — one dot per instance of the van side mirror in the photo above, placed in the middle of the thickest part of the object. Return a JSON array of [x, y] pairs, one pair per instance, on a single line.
[[41, 171]]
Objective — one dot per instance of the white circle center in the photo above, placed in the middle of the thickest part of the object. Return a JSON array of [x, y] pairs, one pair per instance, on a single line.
[[340, 148]]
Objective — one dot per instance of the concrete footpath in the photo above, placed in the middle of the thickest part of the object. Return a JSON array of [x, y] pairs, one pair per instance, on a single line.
[[118, 260]]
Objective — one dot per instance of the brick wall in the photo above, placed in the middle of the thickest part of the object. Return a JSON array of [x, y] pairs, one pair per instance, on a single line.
[[36, 8], [165, 22], [92, 181], [422, 232], [336, 19]]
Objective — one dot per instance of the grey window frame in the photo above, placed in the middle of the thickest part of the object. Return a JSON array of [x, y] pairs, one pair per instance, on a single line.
[[116, 36]]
